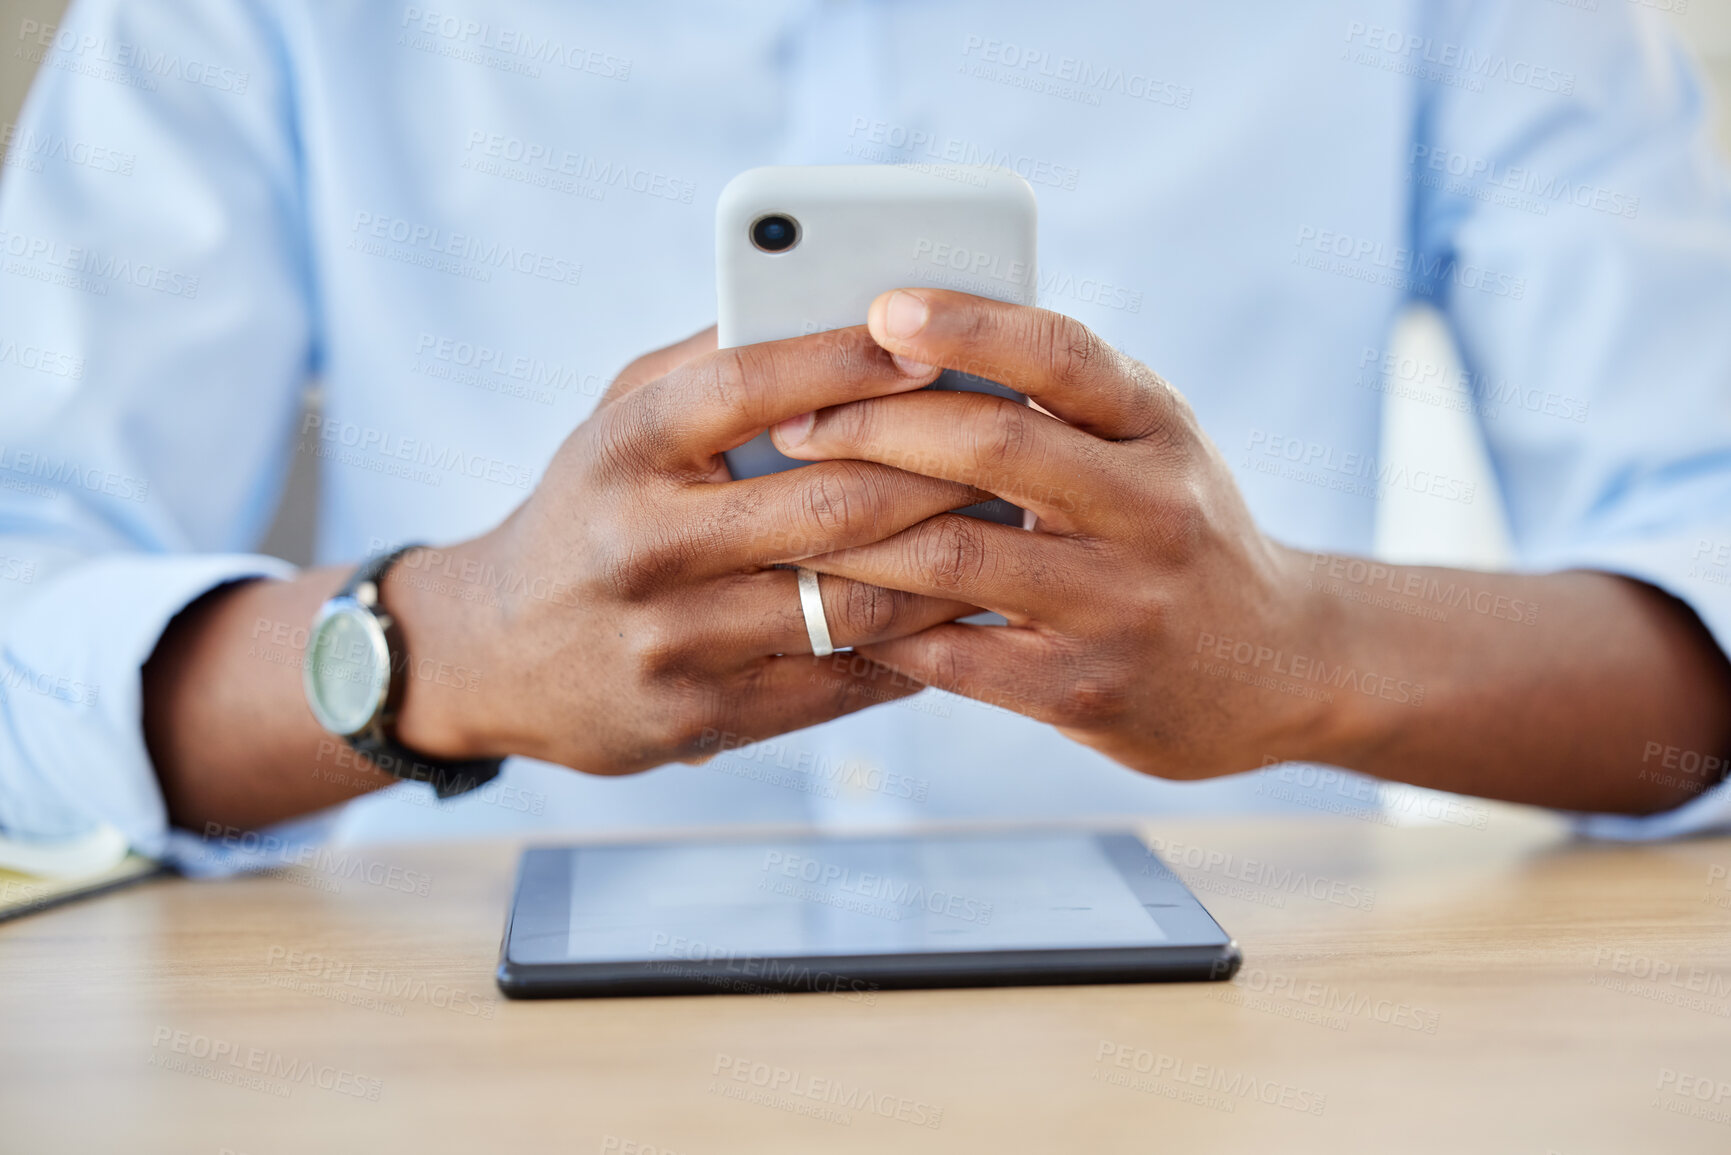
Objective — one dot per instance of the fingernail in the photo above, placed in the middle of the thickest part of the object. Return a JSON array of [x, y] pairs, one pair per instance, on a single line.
[[794, 430], [905, 315], [909, 366]]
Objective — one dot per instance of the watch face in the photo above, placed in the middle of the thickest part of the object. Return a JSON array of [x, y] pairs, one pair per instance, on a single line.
[[348, 668]]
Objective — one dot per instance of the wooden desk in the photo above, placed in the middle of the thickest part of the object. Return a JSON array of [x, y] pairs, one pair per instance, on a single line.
[[1441, 988]]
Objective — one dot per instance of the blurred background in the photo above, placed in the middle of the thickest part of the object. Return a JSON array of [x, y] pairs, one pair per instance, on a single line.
[[1419, 430]]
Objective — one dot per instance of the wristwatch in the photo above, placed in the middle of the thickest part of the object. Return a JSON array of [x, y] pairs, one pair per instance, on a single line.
[[354, 672]]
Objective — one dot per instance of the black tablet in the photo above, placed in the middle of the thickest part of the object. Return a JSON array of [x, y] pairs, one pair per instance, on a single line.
[[852, 915]]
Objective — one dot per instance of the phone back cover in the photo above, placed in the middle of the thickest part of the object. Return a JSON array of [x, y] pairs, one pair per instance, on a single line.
[[866, 229]]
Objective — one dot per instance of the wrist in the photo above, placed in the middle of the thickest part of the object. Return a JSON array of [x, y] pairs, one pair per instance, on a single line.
[[449, 624], [1342, 654]]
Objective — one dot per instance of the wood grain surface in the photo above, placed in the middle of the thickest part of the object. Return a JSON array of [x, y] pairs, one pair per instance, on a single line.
[[1482, 985]]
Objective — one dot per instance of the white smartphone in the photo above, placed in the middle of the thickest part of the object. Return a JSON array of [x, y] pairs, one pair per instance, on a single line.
[[802, 249]]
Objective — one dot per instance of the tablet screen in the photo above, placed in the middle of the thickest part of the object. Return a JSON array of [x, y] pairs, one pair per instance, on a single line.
[[868, 896]]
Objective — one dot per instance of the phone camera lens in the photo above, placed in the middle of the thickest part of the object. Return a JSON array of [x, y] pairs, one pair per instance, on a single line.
[[775, 233]]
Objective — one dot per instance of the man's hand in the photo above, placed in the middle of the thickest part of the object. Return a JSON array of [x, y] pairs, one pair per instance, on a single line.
[[1152, 620], [627, 614], [670, 624], [1143, 544]]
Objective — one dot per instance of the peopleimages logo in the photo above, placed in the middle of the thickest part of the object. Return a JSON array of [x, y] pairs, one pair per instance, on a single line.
[[1417, 379], [1694, 1096], [1259, 873], [1362, 474], [1520, 181], [879, 888], [67, 689], [911, 141], [1333, 574], [335, 866], [17, 569], [49, 361], [1397, 267], [801, 1093], [473, 256], [90, 270], [375, 448], [1448, 62], [974, 270], [1277, 993], [1117, 1063], [1308, 668], [1068, 77], [715, 962], [1663, 980], [584, 169], [224, 1061], [85, 52], [497, 370], [459, 34], [814, 773], [34, 146], [334, 976], [60, 473]]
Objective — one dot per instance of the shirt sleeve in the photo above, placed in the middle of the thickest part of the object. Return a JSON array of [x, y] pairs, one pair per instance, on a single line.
[[1572, 217], [155, 335]]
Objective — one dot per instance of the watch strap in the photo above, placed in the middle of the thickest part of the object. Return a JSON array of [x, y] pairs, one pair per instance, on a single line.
[[372, 572], [447, 778]]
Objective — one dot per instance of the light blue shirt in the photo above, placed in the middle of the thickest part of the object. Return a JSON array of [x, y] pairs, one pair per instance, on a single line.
[[464, 218]]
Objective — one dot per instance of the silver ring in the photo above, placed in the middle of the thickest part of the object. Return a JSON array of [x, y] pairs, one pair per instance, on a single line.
[[816, 625]]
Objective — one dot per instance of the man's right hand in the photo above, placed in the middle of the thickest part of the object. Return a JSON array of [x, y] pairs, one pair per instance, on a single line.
[[627, 614], [640, 614]]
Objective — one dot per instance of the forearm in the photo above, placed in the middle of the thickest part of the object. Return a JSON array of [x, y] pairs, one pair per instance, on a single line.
[[226, 719], [1577, 690], [225, 714]]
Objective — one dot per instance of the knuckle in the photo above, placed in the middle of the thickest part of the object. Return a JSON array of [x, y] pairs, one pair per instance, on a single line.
[[1182, 529], [626, 435], [867, 683], [682, 716], [949, 554], [1169, 419], [631, 565], [979, 336], [616, 569], [724, 383], [870, 611], [828, 502], [854, 425], [1002, 442], [1188, 530], [654, 652], [715, 386], [979, 328], [945, 667], [1072, 349], [843, 498], [840, 350], [1092, 701], [666, 729], [697, 716]]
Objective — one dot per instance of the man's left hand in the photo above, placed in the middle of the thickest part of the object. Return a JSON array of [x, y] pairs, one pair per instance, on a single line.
[[1143, 561]]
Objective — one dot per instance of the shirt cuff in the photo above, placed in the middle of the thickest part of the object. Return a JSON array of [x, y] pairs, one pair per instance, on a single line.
[[1695, 568], [1710, 811], [72, 751]]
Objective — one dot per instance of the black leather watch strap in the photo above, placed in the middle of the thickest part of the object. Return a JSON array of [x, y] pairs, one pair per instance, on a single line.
[[448, 779]]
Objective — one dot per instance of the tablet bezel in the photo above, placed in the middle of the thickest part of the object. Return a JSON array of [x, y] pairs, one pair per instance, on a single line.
[[1198, 950]]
